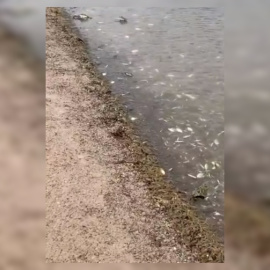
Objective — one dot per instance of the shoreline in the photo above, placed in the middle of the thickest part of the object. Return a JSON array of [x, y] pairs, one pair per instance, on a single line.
[[188, 228]]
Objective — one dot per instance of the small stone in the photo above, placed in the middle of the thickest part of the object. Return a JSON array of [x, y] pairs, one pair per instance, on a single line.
[[122, 20]]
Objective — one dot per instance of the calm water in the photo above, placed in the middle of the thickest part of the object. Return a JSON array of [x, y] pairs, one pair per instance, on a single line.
[[176, 91]]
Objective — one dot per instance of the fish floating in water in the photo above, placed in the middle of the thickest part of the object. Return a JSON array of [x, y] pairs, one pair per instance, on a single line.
[[128, 74], [122, 20], [82, 17]]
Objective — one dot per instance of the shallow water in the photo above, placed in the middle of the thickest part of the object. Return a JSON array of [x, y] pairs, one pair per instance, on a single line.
[[167, 64]]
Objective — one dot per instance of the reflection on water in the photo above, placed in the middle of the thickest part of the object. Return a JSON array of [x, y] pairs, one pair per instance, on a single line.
[[167, 63]]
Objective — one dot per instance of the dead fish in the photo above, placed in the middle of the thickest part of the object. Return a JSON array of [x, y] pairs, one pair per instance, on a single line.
[[189, 96], [122, 20], [134, 51], [200, 175], [82, 17], [128, 74]]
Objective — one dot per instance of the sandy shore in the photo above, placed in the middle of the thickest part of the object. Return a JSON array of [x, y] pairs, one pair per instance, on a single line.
[[106, 198]]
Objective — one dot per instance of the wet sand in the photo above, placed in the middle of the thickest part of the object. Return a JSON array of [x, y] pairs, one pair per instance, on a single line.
[[106, 197]]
